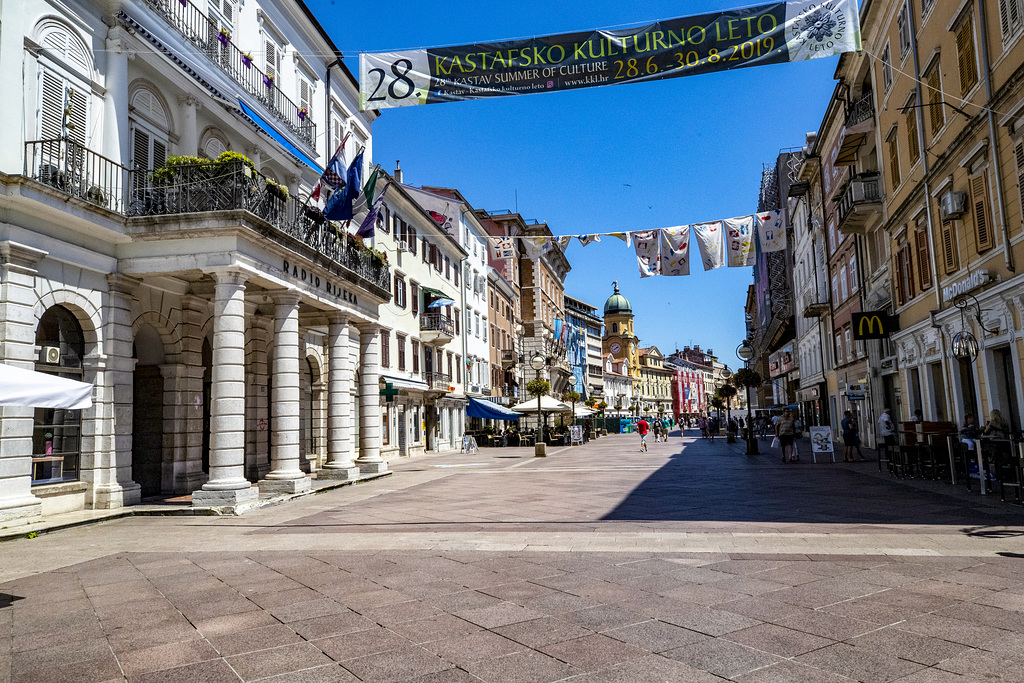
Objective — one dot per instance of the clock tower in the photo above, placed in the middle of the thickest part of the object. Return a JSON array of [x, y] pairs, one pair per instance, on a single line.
[[619, 339]]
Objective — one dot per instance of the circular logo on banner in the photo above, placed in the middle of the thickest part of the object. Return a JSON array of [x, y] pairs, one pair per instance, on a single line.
[[818, 29]]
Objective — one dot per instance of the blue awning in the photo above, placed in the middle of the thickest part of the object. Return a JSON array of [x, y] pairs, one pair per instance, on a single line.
[[282, 140], [487, 410]]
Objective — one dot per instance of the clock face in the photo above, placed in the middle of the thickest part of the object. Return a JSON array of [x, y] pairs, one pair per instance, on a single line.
[[615, 348]]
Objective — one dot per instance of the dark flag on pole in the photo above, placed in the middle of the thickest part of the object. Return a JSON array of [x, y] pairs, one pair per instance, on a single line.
[[369, 224]]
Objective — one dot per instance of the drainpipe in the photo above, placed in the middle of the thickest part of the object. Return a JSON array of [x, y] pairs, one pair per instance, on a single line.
[[814, 265], [997, 163], [928, 197]]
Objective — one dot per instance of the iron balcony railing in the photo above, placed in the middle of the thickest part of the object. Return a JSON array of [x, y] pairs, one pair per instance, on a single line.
[[204, 32], [858, 191], [861, 110], [79, 172], [76, 170], [437, 322], [438, 381]]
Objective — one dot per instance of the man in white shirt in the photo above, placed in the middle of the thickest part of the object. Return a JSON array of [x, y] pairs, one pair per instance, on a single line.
[[886, 428]]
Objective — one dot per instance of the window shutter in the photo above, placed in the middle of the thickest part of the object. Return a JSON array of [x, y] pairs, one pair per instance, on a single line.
[[270, 54], [982, 217], [898, 271], [51, 106], [938, 116], [915, 149], [965, 57], [415, 289], [924, 273], [159, 157], [229, 11], [950, 260], [140, 150], [305, 94], [1018, 152], [426, 252], [894, 159]]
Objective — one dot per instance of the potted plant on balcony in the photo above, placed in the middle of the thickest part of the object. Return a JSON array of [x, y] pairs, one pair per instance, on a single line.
[[378, 256], [276, 190], [247, 59], [224, 36], [268, 80], [303, 113]]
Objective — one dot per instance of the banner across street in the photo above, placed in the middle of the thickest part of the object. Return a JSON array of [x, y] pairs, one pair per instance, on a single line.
[[752, 36]]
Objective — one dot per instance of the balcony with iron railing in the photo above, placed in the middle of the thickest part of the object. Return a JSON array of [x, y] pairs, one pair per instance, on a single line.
[[436, 328], [815, 305], [862, 110], [203, 32], [438, 381], [78, 172], [859, 201]]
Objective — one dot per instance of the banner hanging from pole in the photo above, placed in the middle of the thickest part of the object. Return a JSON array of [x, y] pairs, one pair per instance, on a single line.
[[751, 36]]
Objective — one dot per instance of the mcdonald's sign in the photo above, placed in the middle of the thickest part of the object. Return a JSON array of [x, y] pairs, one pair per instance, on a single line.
[[874, 325]]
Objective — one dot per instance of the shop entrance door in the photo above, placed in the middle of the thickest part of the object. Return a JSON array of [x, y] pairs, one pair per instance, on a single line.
[[1005, 380]]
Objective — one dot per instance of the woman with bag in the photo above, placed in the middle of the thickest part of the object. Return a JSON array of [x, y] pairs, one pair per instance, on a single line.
[[785, 431]]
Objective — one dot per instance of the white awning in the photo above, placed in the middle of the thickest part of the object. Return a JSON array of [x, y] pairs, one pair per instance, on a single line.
[[404, 383], [547, 405], [20, 387]]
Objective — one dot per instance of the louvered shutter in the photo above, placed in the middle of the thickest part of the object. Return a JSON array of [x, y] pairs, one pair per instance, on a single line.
[[1018, 152], [415, 299], [900, 286], [1009, 18], [305, 94], [938, 116], [270, 54], [924, 273], [51, 106], [950, 258], [140, 158], [229, 11], [965, 57], [982, 216], [894, 159], [914, 148]]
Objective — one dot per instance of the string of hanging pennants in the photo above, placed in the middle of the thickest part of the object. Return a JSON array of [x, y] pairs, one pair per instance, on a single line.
[[730, 242]]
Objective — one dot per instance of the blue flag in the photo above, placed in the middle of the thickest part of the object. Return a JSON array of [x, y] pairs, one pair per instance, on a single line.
[[342, 208]]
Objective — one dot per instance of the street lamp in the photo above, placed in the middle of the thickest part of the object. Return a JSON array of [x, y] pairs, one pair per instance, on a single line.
[[745, 352], [730, 437], [539, 446]]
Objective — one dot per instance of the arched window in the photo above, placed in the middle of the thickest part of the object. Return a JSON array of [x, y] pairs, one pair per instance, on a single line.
[[57, 432], [65, 70], [149, 131]]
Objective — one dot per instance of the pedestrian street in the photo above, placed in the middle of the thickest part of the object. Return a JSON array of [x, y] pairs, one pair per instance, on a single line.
[[690, 562]]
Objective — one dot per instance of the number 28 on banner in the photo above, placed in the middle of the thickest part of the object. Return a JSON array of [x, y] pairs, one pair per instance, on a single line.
[[394, 79]]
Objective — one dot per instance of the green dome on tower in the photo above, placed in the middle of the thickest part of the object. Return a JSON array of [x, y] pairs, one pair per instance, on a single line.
[[617, 303]]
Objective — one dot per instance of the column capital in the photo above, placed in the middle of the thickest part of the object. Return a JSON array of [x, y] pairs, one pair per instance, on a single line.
[[189, 100], [122, 284], [368, 327], [338, 317], [15, 254], [228, 275], [284, 296]]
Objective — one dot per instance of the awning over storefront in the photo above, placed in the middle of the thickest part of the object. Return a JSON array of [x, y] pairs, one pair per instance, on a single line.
[[434, 292], [486, 410], [20, 387], [404, 383]]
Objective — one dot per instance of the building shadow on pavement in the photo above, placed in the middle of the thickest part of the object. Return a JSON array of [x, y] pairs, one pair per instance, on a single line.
[[717, 483]]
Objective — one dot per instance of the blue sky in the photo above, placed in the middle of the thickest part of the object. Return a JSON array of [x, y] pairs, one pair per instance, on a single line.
[[616, 158]]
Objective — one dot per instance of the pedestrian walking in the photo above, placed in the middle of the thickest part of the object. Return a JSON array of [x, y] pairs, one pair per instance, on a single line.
[[851, 437], [886, 429], [703, 424], [785, 429], [642, 427]]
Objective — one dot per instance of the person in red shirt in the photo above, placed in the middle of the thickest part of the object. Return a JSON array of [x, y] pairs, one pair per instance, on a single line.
[[642, 428]]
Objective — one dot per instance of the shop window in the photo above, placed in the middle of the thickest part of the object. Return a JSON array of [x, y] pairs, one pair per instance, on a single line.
[[57, 432], [385, 436]]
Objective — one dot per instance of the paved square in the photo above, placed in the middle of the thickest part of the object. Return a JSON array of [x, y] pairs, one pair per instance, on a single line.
[[691, 562]]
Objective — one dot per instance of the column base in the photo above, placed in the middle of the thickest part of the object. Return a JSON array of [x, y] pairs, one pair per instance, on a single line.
[[228, 498], [15, 511], [341, 473], [299, 485], [372, 467], [116, 496]]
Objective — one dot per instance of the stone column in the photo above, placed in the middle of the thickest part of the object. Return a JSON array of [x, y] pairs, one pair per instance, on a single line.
[[369, 461], [285, 475], [189, 142], [227, 486], [188, 454], [111, 475], [340, 448], [115, 101], [17, 347]]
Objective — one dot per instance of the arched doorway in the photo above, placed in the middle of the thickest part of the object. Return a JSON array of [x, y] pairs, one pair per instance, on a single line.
[[207, 384], [308, 377], [57, 432], [148, 411]]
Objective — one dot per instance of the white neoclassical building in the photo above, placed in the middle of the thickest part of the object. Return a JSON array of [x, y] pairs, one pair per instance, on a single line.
[[155, 156]]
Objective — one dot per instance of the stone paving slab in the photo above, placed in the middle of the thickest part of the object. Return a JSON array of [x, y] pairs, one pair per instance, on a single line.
[[594, 564]]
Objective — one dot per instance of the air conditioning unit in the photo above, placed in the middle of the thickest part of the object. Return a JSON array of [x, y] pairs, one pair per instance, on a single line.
[[952, 205], [402, 247], [50, 355]]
